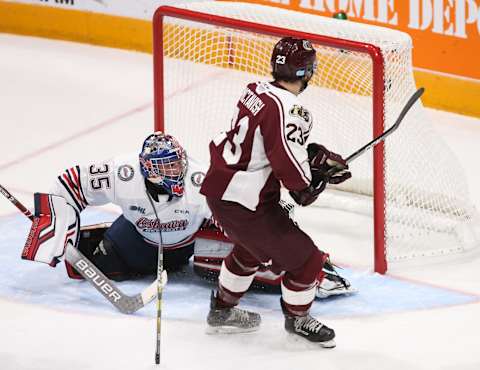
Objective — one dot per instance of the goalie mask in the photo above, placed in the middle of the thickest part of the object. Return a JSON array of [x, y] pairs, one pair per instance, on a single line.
[[293, 59], [164, 163]]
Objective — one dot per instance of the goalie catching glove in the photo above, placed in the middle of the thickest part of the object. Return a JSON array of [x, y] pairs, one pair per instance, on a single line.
[[321, 161], [55, 225]]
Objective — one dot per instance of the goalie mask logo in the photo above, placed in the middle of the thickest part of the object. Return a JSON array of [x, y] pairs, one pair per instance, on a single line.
[[125, 172], [177, 189]]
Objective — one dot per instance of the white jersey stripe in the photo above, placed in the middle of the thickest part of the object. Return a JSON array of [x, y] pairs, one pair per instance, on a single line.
[[285, 144]]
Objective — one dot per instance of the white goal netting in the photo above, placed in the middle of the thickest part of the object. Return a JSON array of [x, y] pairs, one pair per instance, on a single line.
[[427, 209]]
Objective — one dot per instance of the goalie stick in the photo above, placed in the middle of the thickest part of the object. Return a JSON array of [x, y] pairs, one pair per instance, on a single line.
[[383, 136], [158, 339], [124, 303]]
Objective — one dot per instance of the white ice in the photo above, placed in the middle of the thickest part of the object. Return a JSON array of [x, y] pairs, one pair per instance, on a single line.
[[63, 103]]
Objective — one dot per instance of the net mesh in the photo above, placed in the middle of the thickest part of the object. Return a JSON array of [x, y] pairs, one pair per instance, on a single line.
[[206, 68]]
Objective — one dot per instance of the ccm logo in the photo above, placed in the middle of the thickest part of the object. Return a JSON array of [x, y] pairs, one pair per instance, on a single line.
[[98, 280]]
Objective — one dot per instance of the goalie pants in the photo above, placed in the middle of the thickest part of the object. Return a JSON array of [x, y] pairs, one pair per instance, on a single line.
[[260, 236]]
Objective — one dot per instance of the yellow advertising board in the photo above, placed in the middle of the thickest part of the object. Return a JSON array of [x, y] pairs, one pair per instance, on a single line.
[[445, 33], [446, 39]]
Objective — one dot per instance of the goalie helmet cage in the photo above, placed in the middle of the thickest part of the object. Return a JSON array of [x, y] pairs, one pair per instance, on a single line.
[[205, 54]]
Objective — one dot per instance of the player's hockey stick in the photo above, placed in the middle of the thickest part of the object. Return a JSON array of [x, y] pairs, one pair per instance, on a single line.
[[16, 203], [160, 276], [383, 136], [124, 303]]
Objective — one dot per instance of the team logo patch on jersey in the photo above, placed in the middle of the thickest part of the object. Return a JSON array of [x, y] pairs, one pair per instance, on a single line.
[[301, 112], [125, 172], [150, 226], [197, 178]]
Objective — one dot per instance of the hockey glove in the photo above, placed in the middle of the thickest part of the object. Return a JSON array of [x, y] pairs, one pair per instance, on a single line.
[[322, 161], [308, 195]]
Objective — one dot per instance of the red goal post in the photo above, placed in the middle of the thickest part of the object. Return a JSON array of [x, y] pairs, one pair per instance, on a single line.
[[214, 36]]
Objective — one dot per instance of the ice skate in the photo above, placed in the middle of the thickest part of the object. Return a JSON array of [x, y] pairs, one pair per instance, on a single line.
[[333, 285], [230, 320], [309, 328]]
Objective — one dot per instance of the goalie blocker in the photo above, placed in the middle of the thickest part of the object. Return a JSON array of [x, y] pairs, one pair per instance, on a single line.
[[55, 224]]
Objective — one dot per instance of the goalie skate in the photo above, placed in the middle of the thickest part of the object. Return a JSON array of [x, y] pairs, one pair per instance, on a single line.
[[230, 320], [333, 285]]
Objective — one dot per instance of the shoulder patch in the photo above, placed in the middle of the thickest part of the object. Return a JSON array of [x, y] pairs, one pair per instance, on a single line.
[[125, 172], [262, 87], [197, 178], [299, 111]]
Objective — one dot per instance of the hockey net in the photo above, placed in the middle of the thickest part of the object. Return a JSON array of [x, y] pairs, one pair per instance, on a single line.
[[206, 53]]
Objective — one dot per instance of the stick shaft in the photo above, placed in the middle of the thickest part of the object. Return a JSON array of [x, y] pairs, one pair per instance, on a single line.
[[16, 203], [385, 134], [159, 305], [159, 298]]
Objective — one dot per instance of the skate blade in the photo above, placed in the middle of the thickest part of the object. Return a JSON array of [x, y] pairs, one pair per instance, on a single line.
[[333, 293], [212, 330], [301, 342], [328, 344]]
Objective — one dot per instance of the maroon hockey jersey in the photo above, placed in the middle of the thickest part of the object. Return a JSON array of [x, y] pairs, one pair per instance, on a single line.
[[265, 147]]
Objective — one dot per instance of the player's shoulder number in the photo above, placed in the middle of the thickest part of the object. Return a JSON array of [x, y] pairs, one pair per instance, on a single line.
[[99, 175], [298, 132]]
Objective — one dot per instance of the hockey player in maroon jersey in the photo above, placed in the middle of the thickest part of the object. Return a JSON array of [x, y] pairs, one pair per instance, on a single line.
[[265, 149]]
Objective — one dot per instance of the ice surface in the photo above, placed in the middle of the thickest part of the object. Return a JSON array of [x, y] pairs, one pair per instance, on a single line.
[[63, 103]]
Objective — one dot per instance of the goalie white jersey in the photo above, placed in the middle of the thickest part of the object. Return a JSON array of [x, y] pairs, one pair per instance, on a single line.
[[120, 181]]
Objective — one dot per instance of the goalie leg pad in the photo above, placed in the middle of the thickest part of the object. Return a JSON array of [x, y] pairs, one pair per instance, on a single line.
[[209, 255], [332, 283], [55, 224]]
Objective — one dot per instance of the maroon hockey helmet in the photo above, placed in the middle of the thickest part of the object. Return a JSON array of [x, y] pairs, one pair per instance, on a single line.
[[293, 59]]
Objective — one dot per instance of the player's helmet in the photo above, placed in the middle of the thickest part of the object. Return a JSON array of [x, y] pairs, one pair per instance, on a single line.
[[164, 162], [293, 59]]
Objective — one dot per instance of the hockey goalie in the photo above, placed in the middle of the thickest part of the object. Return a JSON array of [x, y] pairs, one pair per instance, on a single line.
[[158, 193]]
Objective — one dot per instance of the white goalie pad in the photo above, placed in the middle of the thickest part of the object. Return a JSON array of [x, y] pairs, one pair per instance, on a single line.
[[212, 246], [209, 254], [56, 224]]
